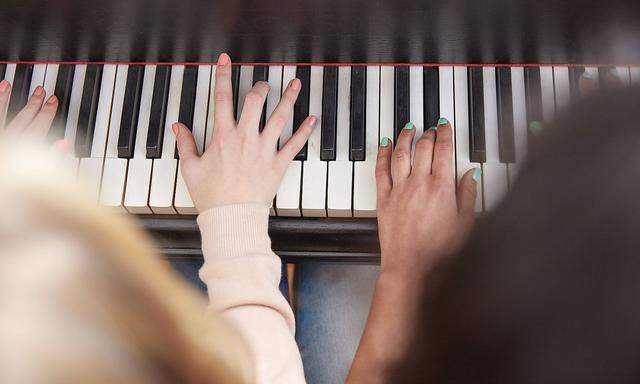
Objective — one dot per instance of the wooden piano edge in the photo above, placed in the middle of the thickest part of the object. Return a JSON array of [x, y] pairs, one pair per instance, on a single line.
[[294, 239]]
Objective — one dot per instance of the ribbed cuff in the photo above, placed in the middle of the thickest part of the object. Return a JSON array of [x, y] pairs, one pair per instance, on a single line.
[[235, 230]]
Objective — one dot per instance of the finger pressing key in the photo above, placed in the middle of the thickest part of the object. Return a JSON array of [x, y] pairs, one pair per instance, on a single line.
[[443, 151], [42, 122], [283, 110], [5, 92], [223, 93], [29, 112], [401, 159]]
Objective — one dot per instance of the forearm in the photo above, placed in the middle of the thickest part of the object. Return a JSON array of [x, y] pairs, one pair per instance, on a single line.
[[242, 275], [391, 323]]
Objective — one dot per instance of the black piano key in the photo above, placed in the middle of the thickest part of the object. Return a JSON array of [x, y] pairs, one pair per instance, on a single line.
[[357, 132], [329, 114], [64, 86], [3, 69], [301, 107], [261, 73], [506, 138], [188, 95], [130, 110], [158, 111], [187, 98], [88, 109], [20, 89], [401, 99], [533, 93], [235, 84], [477, 149], [574, 81], [431, 97]]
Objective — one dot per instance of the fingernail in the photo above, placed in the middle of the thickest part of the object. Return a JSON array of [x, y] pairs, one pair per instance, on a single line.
[[295, 84], [476, 174], [409, 126], [175, 128], [223, 59], [38, 91], [589, 75], [613, 72], [434, 128], [443, 121], [52, 99], [313, 120], [535, 127], [4, 86], [384, 142]]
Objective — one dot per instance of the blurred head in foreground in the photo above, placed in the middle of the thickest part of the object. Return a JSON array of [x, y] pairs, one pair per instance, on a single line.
[[548, 288], [84, 300]]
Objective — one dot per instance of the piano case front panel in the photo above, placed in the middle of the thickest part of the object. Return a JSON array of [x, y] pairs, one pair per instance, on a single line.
[[345, 31]]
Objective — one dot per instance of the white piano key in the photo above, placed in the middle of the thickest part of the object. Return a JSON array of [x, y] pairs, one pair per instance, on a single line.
[[548, 94], [115, 169], [387, 102], [136, 197], [416, 97], [273, 98], [519, 121], [634, 73], [494, 173], [90, 169], [314, 173], [463, 162], [212, 109], [592, 72], [163, 174], [563, 92], [10, 72], [50, 78], [447, 110], [182, 202], [364, 172], [288, 196], [244, 86], [72, 116], [37, 77], [623, 74], [339, 183]]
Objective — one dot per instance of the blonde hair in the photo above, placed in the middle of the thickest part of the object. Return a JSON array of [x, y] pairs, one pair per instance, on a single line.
[[83, 297]]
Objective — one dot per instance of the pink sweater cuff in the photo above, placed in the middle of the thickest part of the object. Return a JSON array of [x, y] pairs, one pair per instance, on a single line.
[[235, 230]]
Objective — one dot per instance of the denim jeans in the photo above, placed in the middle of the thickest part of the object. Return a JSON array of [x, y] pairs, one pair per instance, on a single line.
[[333, 302]]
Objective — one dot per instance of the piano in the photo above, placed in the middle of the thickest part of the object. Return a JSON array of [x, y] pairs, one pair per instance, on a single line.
[[123, 75]]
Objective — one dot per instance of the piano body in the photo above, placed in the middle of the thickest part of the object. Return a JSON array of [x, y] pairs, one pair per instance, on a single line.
[[125, 70]]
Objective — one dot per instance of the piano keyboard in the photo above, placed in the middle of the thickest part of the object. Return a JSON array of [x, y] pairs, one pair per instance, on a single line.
[[118, 119]]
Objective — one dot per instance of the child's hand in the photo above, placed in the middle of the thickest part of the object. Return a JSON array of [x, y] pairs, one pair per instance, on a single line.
[[34, 119], [420, 217], [241, 165]]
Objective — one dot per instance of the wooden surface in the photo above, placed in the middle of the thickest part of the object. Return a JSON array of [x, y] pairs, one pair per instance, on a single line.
[[323, 31], [294, 239]]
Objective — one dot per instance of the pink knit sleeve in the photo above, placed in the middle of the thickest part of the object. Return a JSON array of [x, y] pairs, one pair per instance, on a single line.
[[242, 275]]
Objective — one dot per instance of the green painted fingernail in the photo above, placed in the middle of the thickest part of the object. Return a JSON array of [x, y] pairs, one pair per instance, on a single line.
[[409, 126], [443, 121], [535, 127], [589, 75], [434, 128], [384, 142], [476, 174]]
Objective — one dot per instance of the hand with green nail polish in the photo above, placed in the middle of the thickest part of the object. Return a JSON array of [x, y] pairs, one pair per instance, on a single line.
[[422, 219]]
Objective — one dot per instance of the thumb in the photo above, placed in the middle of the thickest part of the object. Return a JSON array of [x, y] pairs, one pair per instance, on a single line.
[[187, 148], [467, 194]]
